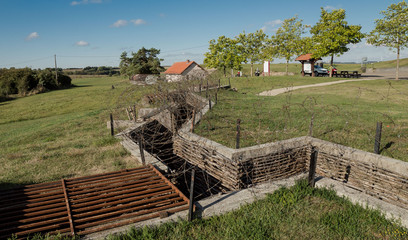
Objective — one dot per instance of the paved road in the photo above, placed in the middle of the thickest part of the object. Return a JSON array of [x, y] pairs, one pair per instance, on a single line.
[[373, 76]]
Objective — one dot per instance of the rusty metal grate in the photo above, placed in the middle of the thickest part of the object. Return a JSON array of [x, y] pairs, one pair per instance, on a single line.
[[88, 204]]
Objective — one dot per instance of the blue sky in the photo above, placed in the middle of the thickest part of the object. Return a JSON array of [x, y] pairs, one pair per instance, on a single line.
[[95, 32]]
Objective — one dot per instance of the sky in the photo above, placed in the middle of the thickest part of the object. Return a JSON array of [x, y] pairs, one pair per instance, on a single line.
[[95, 32]]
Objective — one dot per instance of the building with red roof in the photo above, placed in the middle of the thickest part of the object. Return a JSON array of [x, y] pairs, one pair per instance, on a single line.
[[184, 71]]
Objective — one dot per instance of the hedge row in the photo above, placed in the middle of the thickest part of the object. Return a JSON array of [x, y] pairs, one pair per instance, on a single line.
[[26, 80]]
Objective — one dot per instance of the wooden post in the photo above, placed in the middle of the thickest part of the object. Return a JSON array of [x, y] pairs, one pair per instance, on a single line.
[[311, 126], [140, 142], [191, 203], [206, 90], [209, 102], [199, 87], [216, 97], [193, 121], [134, 112], [238, 132], [377, 142], [111, 125], [219, 82], [229, 82], [312, 167]]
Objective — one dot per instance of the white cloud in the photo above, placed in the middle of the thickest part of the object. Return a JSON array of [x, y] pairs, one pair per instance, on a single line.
[[138, 21], [271, 25], [32, 36], [74, 3], [120, 23], [82, 44], [329, 8]]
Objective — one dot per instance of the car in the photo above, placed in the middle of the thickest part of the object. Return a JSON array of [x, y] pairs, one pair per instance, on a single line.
[[319, 71]]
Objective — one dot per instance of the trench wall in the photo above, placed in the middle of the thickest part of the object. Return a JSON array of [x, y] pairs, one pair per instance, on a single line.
[[376, 175]]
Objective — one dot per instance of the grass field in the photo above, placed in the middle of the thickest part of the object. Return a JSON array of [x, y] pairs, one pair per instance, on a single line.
[[61, 133], [345, 113], [299, 212]]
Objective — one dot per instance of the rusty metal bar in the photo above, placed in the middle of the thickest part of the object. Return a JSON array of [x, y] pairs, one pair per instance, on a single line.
[[114, 196], [80, 201], [125, 196], [142, 212], [169, 183], [105, 203], [71, 223], [80, 191], [148, 203]]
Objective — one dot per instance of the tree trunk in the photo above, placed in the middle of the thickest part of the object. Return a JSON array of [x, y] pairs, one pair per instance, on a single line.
[[397, 72], [252, 65], [232, 72], [312, 68], [287, 66], [331, 66]]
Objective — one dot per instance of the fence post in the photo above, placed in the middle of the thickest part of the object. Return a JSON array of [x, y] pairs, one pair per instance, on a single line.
[[229, 82], [190, 206], [238, 132], [219, 82], [141, 150], [206, 90], [311, 126], [378, 138], [216, 97], [209, 102], [193, 121], [312, 167], [111, 125]]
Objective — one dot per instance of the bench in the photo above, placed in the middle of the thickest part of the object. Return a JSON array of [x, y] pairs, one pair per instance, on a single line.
[[348, 74]]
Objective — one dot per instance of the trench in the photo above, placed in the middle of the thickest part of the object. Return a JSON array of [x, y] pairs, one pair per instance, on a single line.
[[158, 141]]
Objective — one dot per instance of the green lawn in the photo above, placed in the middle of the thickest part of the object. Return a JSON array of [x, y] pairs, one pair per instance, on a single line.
[[62, 133], [344, 113], [299, 212]]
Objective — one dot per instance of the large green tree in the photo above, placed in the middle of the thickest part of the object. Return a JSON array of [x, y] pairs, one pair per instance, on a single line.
[[223, 53], [288, 39], [251, 46], [145, 61], [392, 30], [332, 34]]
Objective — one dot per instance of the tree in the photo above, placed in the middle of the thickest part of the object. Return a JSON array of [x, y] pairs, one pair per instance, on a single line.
[[145, 61], [392, 30], [288, 39], [251, 46], [332, 34], [223, 54]]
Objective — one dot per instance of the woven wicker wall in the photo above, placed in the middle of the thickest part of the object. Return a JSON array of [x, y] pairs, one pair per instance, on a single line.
[[209, 160], [378, 176]]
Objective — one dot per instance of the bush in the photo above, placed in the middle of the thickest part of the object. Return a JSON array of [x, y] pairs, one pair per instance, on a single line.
[[25, 80]]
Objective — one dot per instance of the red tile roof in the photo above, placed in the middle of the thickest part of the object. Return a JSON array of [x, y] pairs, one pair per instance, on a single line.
[[305, 57], [179, 67]]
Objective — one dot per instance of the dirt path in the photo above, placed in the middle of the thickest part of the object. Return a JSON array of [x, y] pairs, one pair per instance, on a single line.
[[374, 76]]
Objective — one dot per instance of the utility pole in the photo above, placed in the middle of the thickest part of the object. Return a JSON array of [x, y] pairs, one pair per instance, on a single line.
[[56, 72]]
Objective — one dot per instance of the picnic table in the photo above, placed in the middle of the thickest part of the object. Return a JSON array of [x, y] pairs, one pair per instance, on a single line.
[[348, 74]]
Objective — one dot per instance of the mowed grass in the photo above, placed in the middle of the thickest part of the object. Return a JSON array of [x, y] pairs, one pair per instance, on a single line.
[[344, 113], [299, 212], [61, 134]]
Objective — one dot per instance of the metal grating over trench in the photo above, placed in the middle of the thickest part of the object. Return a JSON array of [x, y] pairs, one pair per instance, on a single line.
[[88, 204]]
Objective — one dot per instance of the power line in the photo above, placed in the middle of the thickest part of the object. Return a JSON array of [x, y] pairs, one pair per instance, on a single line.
[[28, 61], [88, 56]]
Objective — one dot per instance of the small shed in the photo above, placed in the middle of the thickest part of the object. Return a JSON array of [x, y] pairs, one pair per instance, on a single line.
[[307, 58], [184, 71]]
